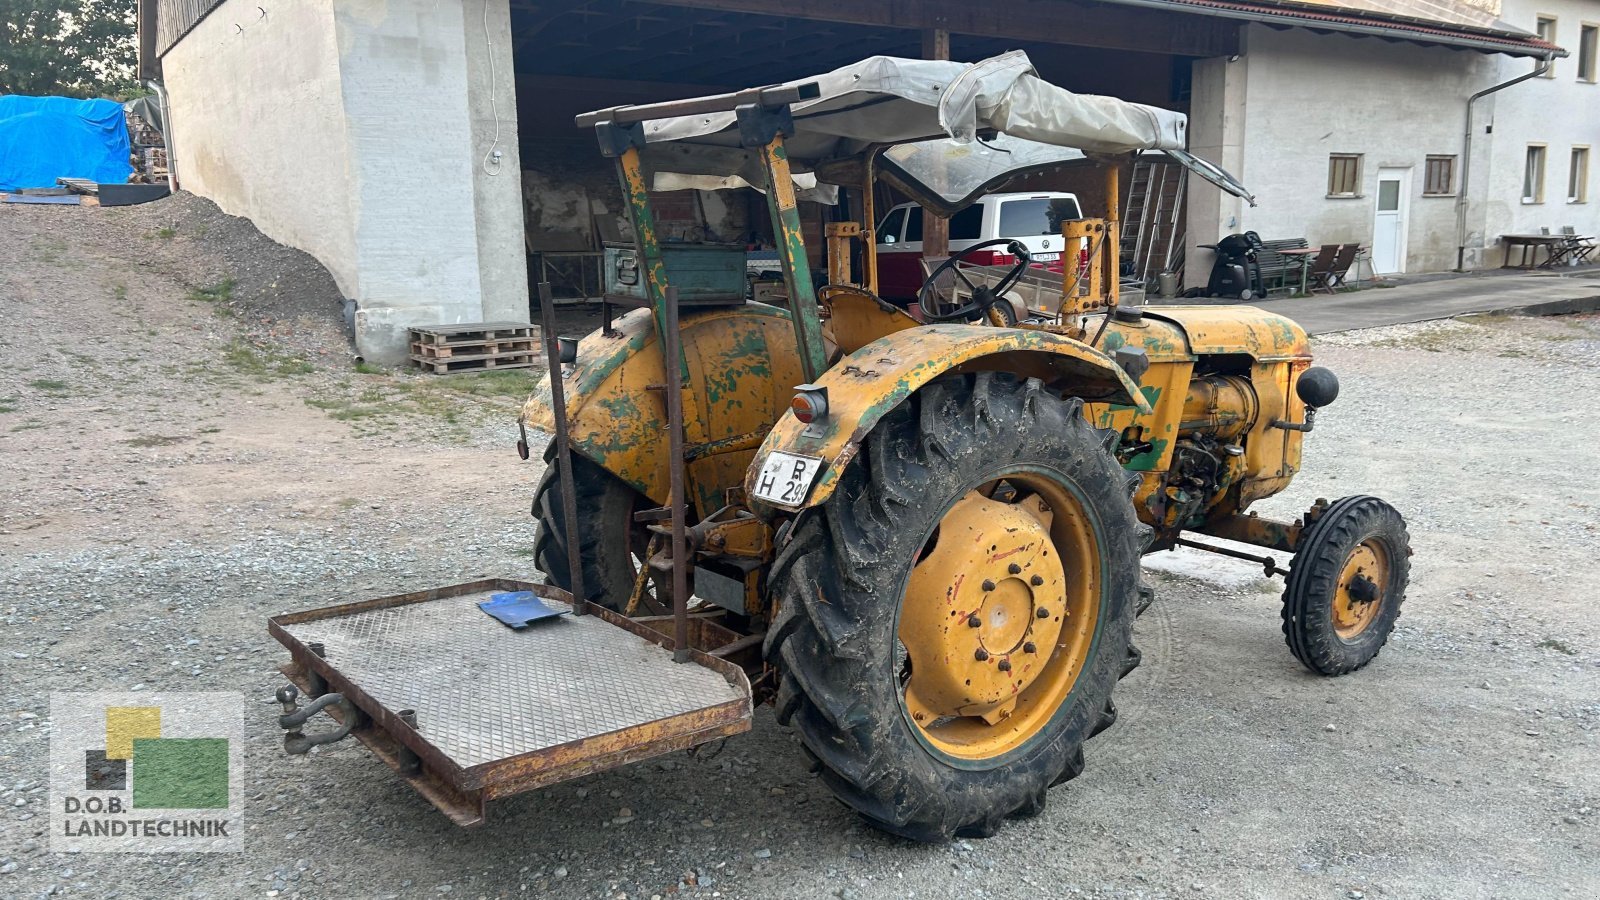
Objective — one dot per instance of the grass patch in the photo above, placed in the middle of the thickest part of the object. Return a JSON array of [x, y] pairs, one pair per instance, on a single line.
[[365, 368], [50, 385], [155, 440], [8, 404], [514, 383], [119, 291], [210, 430], [1557, 645], [29, 425], [219, 295], [50, 250], [166, 233], [345, 410], [260, 363]]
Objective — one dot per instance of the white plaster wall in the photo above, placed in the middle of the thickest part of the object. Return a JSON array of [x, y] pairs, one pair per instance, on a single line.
[[405, 84], [1311, 95], [1560, 112], [497, 186], [1217, 129], [357, 130], [259, 127]]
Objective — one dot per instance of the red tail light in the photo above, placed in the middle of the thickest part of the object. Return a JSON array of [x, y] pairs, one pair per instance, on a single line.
[[810, 403]]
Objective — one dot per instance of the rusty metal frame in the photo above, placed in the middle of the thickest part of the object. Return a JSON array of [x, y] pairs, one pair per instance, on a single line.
[[558, 406], [461, 793], [672, 347]]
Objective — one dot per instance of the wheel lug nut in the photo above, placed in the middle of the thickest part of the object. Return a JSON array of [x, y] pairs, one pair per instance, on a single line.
[[1036, 580], [1043, 613], [973, 621], [982, 655], [1014, 569], [1030, 647], [988, 585], [1005, 665]]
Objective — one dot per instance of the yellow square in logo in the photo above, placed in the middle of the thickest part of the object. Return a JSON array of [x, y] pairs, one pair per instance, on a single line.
[[125, 723]]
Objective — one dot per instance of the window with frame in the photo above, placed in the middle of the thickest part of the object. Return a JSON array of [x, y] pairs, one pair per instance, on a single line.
[[1545, 27], [1588, 46], [1439, 176], [1344, 174], [891, 226], [1533, 175], [1578, 176]]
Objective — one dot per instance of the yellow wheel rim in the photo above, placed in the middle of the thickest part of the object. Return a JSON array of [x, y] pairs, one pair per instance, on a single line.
[[1359, 594], [999, 617]]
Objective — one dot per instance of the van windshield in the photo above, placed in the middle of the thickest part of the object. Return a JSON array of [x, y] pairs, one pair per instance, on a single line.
[[1030, 218]]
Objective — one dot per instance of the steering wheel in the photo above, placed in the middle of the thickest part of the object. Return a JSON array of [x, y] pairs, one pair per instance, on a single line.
[[983, 296]]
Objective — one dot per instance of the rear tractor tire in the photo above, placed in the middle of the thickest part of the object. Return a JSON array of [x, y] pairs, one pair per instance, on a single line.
[[1345, 585], [951, 622], [610, 543]]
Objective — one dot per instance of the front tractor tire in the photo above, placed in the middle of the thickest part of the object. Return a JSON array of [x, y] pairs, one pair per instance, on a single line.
[[1345, 585], [951, 622]]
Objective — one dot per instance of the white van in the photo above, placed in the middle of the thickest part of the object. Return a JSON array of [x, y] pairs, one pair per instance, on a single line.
[[1022, 216]]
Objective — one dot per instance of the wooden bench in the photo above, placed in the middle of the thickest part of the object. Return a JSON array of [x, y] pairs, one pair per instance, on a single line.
[[1276, 268]]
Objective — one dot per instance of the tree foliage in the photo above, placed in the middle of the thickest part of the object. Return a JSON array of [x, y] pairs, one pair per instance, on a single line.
[[74, 48]]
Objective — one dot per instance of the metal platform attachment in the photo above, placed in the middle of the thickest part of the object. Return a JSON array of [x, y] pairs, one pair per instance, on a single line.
[[469, 710]]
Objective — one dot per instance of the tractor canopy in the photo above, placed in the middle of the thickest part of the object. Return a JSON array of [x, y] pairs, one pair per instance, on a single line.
[[950, 131]]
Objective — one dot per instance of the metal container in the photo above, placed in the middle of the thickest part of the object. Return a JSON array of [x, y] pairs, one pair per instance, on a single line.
[[702, 272]]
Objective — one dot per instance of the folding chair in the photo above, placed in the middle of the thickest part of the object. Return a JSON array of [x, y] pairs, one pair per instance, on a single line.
[[1322, 267], [1578, 248], [1341, 267]]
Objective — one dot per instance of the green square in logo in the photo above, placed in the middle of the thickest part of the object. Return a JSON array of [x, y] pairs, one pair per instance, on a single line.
[[180, 773]]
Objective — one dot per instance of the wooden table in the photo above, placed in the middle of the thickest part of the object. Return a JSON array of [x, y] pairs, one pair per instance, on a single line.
[[1528, 248], [1303, 255]]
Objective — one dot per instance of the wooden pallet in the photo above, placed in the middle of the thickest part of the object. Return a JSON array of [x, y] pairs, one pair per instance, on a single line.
[[476, 346], [473, 333], [478, 362]]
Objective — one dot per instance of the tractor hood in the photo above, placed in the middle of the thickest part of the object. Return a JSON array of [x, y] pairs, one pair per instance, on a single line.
[[948, 109]]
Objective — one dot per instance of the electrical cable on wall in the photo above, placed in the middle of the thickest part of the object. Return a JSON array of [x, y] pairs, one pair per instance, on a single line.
[[491, 160]]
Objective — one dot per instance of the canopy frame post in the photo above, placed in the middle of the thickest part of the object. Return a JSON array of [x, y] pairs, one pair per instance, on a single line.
[[763, 128]]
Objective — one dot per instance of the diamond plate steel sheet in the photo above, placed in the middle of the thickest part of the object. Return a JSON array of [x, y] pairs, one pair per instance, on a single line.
[[483, 692]]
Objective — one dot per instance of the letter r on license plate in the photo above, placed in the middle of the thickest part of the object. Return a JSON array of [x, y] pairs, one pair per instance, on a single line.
[[785, 478]]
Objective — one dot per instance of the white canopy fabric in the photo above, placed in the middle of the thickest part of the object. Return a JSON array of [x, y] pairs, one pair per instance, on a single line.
[[890, 100]]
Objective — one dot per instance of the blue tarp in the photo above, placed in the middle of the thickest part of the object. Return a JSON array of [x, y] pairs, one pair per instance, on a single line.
[[45, 138]]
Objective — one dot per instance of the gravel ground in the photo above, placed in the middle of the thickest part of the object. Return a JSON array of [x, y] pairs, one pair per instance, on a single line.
[[175, 466]]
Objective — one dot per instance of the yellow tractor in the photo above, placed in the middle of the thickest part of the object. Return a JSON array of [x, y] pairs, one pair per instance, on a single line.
[[917, 530]]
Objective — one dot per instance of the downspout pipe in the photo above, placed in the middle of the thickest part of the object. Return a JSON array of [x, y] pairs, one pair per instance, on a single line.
[[1466, 157]]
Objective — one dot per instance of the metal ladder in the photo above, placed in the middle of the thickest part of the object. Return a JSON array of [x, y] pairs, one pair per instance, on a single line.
[[1152, 219]]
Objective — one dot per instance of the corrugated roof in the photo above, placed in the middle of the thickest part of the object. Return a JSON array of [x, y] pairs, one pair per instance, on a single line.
[[1396, 19]]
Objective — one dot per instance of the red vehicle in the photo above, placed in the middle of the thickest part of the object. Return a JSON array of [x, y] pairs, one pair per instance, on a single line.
[[1021, 216]]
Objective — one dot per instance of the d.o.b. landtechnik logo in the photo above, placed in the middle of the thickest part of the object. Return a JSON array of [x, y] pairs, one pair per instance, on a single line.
[[152, 773]]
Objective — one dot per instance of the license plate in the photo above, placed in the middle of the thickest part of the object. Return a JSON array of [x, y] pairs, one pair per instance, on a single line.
[[785, 478], [1046, 257]]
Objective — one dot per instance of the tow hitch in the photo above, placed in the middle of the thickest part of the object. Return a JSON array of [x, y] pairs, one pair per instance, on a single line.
[[296, 741]]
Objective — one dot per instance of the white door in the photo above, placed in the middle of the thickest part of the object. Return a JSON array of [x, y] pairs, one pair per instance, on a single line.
[[1389, 224]]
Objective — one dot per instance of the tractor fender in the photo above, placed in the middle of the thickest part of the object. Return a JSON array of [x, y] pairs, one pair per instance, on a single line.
[[865, 385], [742, 370]]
